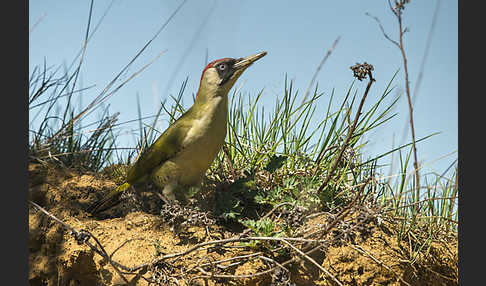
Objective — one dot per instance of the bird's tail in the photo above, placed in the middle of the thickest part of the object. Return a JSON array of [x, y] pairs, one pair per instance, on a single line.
[[106, 201]]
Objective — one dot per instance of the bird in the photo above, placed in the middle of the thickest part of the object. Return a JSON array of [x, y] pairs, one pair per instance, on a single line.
[[181, 155]]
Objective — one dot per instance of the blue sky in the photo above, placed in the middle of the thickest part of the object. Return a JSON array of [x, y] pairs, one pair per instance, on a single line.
[[296, 35]]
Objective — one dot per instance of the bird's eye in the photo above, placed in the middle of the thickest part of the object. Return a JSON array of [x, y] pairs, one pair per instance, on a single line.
[[222, 67]]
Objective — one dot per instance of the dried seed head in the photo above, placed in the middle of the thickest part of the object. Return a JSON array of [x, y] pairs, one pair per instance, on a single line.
[[361, 70]]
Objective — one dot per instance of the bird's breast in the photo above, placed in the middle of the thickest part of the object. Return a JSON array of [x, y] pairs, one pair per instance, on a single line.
[[210, 124], [204, 139]]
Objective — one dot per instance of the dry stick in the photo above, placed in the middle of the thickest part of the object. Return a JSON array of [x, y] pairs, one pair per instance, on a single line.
[[424, 58], [383, 30], [236, 276], [241, 276], [381, 263], [124, 243], [350, 133], [83, 237], [273, 261], [313, 262], [313, 215], [397, 12], [221, 241], [81, 60], [247, 256], [441, 275], [409, 98]]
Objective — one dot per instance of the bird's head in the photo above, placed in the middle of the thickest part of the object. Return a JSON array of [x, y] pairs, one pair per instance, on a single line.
[[219, 76]]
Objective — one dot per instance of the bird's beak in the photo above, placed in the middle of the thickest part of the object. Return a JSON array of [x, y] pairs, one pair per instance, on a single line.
[[243, 63]]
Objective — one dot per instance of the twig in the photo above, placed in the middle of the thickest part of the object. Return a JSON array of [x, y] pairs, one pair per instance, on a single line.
[[424, 59], [82, 237], [383, 30], [409, 99], [441, 275], [313, 215], [241, 276], [349, 135], [313, 262], [273, 261], [223, 241], [397, 11], [379, 262], [247, 256], [124, 243]]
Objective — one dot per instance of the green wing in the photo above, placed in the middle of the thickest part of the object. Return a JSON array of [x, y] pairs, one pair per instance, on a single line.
[[165, 147]]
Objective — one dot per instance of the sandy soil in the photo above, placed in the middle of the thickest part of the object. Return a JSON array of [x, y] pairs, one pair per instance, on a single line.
[[372, 256]]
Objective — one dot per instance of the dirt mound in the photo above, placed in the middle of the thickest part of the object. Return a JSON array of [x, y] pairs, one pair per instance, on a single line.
[[210, 254]]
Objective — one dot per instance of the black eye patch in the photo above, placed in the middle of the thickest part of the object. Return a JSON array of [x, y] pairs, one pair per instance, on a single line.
[[225, 70]]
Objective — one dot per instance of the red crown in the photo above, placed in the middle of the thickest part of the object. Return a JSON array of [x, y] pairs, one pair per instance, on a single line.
[[210, 65]]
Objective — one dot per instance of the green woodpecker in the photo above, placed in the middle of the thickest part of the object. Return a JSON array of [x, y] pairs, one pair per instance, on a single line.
[[179, 158]]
